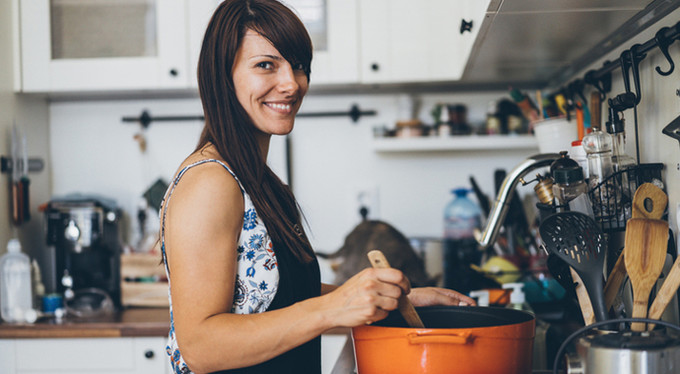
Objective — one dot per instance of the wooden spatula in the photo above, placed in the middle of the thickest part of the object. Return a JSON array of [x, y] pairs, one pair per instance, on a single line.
[[583, 299], [645, 248], [406, 309], [646, 192], [666, 293]]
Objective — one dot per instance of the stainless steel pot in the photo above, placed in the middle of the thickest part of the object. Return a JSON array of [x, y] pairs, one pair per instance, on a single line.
[[653, 352]]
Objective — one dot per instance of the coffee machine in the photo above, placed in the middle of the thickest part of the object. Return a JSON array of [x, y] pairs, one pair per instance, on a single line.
[[83, 230]]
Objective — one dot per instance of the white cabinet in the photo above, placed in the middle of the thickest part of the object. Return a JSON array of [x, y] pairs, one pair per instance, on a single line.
[[407, 41], [333, 25], [86, 45], [107, 46], [140, 355], [198, 16], [336, 59]]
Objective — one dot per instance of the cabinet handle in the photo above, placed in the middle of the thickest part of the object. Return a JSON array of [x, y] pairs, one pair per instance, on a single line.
[[465, 26], [174, 72], [149, 354], [375, 66]]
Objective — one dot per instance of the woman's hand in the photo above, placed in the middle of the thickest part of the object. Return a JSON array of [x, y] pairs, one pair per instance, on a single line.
[[365, 298], [429, 296]]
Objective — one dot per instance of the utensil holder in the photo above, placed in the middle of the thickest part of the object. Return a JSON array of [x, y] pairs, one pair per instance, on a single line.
[[612, 198]]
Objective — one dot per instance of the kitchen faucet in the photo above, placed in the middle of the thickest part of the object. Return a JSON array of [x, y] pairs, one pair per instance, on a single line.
[[500, 207]]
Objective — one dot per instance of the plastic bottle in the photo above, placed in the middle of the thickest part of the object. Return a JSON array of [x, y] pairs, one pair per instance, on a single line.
[[461, 217], [482, 297], [579, 155], [16, 300], [517, 298]]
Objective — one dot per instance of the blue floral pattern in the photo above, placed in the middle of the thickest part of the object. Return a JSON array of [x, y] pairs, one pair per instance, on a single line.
[[257, 275]]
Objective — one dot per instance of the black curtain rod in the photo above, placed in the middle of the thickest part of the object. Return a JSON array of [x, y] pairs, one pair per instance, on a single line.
[[145, 118]]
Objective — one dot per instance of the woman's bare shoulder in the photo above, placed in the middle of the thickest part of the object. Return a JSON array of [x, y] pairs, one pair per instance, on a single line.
[[207, 189]]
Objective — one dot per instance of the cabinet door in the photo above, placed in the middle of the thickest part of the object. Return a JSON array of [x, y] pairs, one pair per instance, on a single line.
[[91, 355], [406, 41], [336, 52], [84, 45], [198, 16]]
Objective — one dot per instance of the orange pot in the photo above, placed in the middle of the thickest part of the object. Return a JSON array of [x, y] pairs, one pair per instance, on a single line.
[[475, 340]]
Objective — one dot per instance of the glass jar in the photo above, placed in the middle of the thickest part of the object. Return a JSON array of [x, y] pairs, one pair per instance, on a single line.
[[598, 146]]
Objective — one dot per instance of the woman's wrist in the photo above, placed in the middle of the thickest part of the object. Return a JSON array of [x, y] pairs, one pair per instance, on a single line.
[[316, 314]]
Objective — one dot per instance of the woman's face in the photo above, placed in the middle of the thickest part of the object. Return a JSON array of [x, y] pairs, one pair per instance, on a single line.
[[267, 86]]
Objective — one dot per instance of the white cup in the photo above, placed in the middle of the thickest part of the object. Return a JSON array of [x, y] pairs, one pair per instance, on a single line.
[[555, 135]]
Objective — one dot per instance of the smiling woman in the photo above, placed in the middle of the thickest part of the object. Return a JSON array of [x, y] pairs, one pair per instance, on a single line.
[[268, 87], [245, 291]]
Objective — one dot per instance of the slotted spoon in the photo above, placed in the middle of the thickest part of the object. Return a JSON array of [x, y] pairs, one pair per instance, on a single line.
[[577, 240]]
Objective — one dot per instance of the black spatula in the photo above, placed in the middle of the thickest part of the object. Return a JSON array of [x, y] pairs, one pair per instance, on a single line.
[[577, 240]]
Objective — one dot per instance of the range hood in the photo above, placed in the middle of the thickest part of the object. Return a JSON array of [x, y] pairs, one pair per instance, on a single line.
[[541, 42]]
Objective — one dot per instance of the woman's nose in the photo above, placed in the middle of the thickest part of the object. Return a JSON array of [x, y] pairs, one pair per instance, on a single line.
[[287, 81]]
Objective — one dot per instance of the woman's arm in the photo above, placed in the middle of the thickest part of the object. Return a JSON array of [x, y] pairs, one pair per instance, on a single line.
[[326, 288], [203, 223]]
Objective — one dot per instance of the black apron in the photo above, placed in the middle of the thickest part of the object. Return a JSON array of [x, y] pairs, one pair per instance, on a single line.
[[297, 281]]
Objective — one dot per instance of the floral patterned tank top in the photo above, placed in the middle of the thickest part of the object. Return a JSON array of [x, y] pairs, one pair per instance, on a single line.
[[257, 287]]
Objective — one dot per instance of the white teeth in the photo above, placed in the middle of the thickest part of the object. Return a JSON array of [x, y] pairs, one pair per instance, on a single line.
[[279, 106]]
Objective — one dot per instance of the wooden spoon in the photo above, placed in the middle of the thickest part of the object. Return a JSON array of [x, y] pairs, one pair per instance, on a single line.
[[658, 200], [406, 309], [645, 248]]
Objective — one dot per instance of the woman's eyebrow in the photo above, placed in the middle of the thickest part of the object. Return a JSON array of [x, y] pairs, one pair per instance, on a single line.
[[273, 57]]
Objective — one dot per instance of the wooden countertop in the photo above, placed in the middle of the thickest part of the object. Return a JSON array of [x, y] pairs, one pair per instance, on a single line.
[[130, 322]]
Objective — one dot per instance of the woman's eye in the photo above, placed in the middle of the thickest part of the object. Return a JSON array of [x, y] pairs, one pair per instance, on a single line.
[[265, 65], [299, 66]]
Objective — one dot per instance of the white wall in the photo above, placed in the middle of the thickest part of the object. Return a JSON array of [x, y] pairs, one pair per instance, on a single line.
[[93, 151]]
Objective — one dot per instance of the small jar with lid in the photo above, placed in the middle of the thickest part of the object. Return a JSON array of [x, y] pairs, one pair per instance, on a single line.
[[563, 162], [568, 184], [598, 146]]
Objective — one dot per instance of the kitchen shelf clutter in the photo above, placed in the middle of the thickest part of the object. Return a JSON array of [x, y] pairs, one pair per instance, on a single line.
[[455, 143]]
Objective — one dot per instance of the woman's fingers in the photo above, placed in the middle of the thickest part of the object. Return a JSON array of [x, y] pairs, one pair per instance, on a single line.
[[427, 296], [388, 276], [367, 297]]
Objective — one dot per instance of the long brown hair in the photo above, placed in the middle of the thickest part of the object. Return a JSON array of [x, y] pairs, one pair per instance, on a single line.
[[228, 126]]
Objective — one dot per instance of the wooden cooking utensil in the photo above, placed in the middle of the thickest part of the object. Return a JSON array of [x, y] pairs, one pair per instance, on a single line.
[[614, 281], [583, 299], [666, 293], [656, 201], [406, 309], [645, 247]]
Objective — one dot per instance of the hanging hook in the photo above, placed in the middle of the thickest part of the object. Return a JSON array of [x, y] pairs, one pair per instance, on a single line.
[[635, 58], [627, 99], [663, 42], [576, 87], [602, 84]]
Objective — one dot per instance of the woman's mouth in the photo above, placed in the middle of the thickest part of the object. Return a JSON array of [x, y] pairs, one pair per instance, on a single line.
[[284, 108]]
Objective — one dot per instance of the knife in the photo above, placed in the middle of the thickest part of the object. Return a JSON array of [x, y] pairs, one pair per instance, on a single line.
[[17, 209], [24, 182]]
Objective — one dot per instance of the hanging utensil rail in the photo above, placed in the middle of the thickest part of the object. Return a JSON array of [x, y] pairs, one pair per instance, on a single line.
[[145, 118]]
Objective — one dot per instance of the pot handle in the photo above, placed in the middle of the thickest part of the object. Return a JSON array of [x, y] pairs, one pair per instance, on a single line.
[[433, 337]]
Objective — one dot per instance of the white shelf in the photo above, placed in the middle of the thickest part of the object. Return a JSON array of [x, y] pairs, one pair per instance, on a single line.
[[455, 143]]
